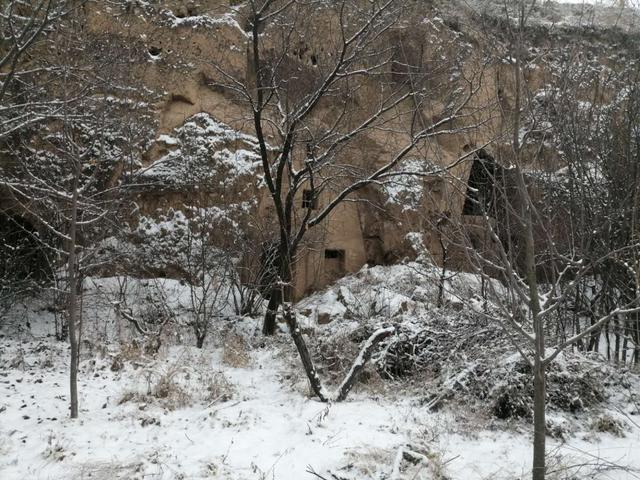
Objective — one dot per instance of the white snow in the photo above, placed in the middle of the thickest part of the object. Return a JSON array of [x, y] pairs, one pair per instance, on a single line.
[[268, 429], [203, 150], [265, 425], [407, 190]]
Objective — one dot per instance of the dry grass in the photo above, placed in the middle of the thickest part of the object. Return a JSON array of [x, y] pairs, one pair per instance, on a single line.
[[131, 396], [105, 470], [371, 382], [235, 351], [131, 352], [164, 386], [180, 383], [169, 391], [607, 424], [219, 389]]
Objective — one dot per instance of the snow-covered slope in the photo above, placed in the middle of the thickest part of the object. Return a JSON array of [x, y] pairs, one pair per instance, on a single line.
[[266, 428]]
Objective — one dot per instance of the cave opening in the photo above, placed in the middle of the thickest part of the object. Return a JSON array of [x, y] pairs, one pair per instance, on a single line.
[[482, 192]]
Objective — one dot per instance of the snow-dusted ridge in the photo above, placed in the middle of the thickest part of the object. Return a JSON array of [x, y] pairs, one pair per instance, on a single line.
[[598, 14]]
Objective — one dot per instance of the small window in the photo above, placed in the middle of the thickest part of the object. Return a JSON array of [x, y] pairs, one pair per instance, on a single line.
[[309, 200], [336, 254]]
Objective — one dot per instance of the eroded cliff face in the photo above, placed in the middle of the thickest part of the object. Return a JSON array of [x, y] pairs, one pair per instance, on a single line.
[[184, 58]]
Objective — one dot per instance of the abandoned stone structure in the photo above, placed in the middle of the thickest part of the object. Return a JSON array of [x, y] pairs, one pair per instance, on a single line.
[[189, 48], [177, 50]]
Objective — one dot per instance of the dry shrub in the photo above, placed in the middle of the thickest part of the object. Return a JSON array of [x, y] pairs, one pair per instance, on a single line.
[[574, 383], [179, 383], [416, 461], [366, 462], [213, 386], [116, 363], [607, 424], [141, 350], [167, 393], [131, 396], [17, 361], [235, 351], [131, 352], [55, 451], [371, 381], [167, 389], [163, 388], [219, 389], [335, 354]]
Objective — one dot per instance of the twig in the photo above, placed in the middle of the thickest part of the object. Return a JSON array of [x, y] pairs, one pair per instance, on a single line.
[[395, 471], [314, 473]]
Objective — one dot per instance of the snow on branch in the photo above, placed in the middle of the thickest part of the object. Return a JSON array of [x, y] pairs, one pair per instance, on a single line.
[[358, 365]]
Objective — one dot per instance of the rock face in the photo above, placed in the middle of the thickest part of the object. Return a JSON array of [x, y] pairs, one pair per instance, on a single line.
[[204, 152]]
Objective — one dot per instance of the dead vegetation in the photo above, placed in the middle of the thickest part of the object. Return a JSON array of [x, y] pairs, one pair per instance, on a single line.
[[219, 389], [605, 423], [446, 362], [235, 351], [180, 383]]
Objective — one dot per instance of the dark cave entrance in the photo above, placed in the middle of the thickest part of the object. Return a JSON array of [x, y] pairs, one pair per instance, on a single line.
[[482, 193]]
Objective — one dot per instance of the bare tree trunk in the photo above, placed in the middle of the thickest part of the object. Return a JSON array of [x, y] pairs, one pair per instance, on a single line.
[[539, 420], [576, 322], [594, 338], [358, 365], [73, 302], [269, 325], [539, 368], [625, 343], [305, 356], [607, 339], [280, 293], [443, 271], [354, 372], [539, 400], [616, 333]]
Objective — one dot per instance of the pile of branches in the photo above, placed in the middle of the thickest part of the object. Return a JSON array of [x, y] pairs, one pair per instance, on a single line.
[[419, 346], [457, 356], [575, 382]]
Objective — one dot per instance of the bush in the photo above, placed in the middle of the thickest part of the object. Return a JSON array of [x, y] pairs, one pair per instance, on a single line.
[[607, 424], [235, 351], [219, 389]]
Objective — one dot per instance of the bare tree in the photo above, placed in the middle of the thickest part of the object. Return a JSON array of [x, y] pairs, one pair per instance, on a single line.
[[308, 125], [539, 272], [210, 270], [64, 177], [317, 112], [597, 192], [26, 27], [151, 313]]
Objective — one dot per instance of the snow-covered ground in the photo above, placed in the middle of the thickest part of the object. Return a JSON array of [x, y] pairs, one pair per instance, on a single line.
[[267, 428], [240, 409]]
